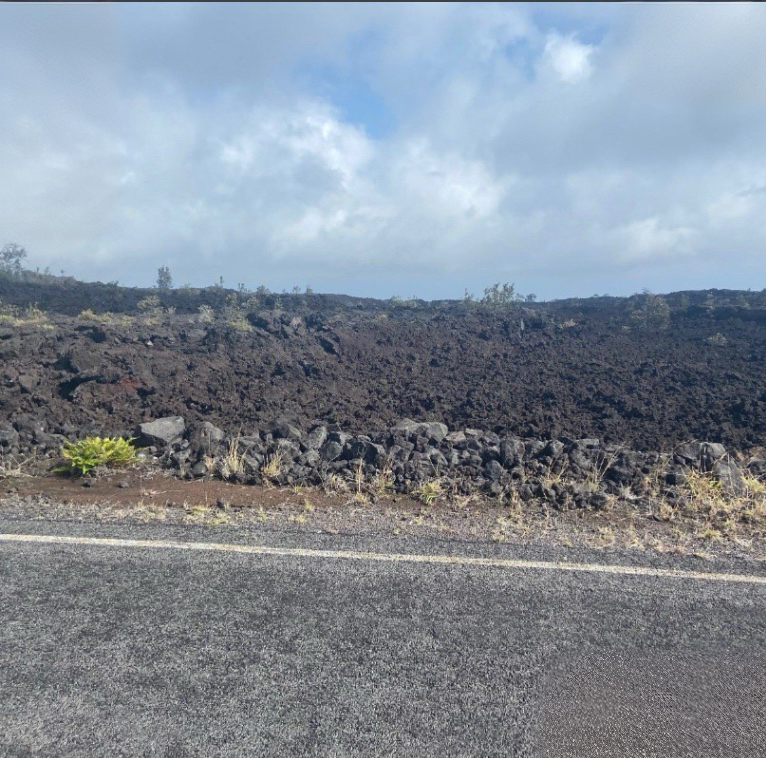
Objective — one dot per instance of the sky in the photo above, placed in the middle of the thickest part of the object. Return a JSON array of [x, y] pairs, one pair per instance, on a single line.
[[384, 149]]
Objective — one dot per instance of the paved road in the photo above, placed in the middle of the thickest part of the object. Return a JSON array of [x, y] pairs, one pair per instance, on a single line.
[[151, 650]]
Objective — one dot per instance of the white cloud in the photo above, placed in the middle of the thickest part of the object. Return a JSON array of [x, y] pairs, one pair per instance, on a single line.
[[597, 141], [569, 58], [445, 184], [646, 239], [730, 207]]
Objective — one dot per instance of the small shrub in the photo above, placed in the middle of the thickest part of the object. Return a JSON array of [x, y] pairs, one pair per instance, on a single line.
[[149, 304], [84, 455], [236, 315], [717, 339], [35, 314], [9, 314], [206, 314], [12, 315], [653, 312], [240, 324]]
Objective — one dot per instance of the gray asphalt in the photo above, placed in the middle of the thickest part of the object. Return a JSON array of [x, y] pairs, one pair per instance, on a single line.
[[136, 651]]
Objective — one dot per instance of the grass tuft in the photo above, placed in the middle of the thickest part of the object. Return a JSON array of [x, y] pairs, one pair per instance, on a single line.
[[429, 492]]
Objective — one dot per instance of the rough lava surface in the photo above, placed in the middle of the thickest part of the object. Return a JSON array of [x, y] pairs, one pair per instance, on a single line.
[[606, 368]]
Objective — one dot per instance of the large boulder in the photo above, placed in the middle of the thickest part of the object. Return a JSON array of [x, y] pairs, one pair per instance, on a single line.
[[8, 435], [730, 477], [315, 438], [700, 455], [161, 431]]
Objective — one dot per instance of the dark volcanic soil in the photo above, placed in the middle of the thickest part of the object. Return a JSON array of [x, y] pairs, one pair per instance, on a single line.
[[612, 368]]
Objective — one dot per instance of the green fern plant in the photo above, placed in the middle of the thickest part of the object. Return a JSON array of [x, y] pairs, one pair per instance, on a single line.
[[84, 455]]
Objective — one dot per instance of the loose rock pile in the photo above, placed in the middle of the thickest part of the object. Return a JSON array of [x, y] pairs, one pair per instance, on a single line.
[[580, 473]]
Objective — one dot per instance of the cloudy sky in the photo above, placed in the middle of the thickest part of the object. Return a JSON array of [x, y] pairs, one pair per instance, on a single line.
[[382, 149]]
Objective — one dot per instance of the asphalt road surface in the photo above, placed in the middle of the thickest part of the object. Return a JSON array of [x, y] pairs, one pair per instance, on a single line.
[[289, 644]]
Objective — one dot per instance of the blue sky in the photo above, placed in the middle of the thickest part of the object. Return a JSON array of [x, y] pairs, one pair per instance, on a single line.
[[384, 148]]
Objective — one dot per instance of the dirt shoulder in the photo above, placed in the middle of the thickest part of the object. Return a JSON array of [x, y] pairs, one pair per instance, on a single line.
[[140, 496]]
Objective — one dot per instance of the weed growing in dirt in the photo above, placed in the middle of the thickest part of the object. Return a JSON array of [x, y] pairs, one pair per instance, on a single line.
[[429, 492], [84, 455], [360, 496], [383, 481], [714, 513], [333, 484]]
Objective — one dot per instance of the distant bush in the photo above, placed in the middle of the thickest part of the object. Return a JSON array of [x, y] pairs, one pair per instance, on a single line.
[[717, 339], [11, 256], [652, 312], [399, 302], [498, 297], [149, 304], [164, 279], [236, 315]]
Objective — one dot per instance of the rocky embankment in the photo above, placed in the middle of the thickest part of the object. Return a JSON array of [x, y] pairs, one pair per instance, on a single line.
[[579, 473]]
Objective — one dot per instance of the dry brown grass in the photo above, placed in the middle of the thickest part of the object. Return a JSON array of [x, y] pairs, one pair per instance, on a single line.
[[334, 484], [360, 494], [272, 468], [383, 481], [233, 462], [12, 467]]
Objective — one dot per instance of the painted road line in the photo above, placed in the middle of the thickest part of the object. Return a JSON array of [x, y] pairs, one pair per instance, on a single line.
[[453, 560]]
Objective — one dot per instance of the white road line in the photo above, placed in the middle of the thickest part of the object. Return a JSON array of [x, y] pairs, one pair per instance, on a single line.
[[458, 560]]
